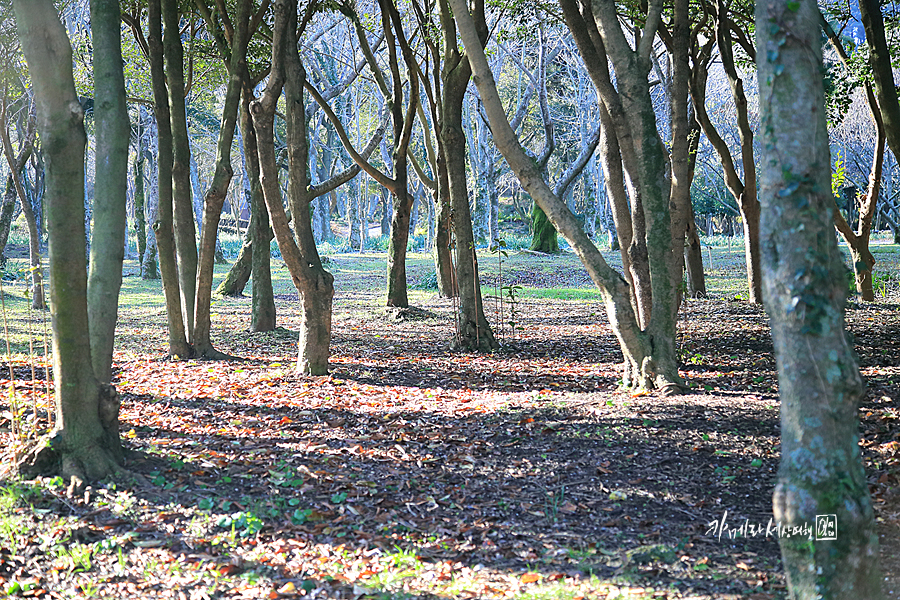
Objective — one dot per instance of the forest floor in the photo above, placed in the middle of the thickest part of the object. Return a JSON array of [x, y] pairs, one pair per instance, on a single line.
[[415, 472]]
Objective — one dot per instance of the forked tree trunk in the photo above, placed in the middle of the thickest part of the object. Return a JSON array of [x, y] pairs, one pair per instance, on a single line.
[[16, 165], [87, 438], [34, 240], [821, 474], [649, 356], [314, 284], [472, 327], [861, 257]]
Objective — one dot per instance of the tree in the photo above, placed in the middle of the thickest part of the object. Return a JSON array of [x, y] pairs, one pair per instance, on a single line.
[[112, 131], [473, 330], [861, 257], [164, 227], [86, 440], [315, 285], [821, 469], [650, 359], [744, 191], [235, 57], [34, 240]]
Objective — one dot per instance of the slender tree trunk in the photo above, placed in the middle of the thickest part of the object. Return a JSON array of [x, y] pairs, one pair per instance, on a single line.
[[218, 189], [693, 260], [16, 165], [354, 222], [183, 208], [443, 261], [112, 131], [140, 215], [34, 240], [472, 326], [820, 385], [87, 436], [164, 228]]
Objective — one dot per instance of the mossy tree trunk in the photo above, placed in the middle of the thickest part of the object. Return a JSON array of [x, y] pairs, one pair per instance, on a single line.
[[543, 235], [821, 470], [87, 438], [112, 129]]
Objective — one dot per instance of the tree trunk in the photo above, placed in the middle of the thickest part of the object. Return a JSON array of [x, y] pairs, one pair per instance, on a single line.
[[183, 208], [34, 240], [472, 327], [87, 437], [112, 131], [821, 471], [443, 261], [16, 165], [354, 220], [543, 237], [218, 189], [693, 260], [315, 285], [140, 216], [164, 228], [650, 355]]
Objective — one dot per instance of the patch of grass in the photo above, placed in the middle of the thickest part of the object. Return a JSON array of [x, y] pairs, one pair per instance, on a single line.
[[558, 293]]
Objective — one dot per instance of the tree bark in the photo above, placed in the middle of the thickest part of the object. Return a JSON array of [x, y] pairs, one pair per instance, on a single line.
[[164, 228], [112, 131], [262, 311], [86, 437], [820, 384], [314, 284], [183, 208], [473, 330], [140, 215], [214, 199]]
